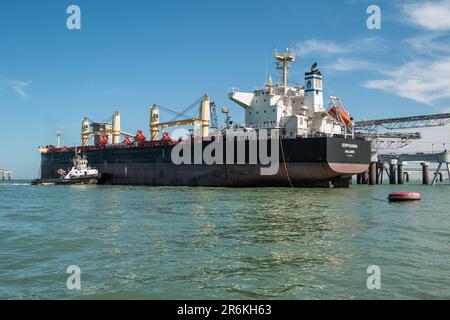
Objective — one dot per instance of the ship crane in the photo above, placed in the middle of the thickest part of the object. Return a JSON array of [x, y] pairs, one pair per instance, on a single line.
[[101, 131], [214, 120], [59, 134], [156, 126]]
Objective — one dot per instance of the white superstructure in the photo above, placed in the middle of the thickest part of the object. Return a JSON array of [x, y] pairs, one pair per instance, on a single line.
[[298, 111]]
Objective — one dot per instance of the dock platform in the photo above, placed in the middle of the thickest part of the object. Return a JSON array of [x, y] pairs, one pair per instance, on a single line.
[[6, 174], [394, 166]]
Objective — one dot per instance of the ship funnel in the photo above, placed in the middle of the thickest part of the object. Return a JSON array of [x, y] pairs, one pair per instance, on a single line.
[[85, 132], [313, 90], [205, 116], [116, 128], [154, 123]]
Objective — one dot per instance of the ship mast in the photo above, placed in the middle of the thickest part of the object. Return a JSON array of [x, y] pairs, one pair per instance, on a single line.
[[283, 60]]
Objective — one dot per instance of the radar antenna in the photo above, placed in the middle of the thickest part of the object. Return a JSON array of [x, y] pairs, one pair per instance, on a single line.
[[283, 60]]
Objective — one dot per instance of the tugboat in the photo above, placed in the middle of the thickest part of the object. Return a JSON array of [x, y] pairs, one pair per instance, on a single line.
[[80, 173]]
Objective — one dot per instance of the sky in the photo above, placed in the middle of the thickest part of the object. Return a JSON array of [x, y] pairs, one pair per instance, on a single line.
[[131, 54]]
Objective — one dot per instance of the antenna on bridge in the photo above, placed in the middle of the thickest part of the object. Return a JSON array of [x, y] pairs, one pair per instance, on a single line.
[[283, 59]]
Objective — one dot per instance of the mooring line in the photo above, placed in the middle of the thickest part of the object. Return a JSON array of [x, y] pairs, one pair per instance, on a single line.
[[378, 199], [284, 164]]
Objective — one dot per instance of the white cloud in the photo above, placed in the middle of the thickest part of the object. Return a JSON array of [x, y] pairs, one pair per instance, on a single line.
[[424, 76], [315, 46], [326, 47], [349, 64], [423, 81], [429, 44], [17, 86], [432, 15]]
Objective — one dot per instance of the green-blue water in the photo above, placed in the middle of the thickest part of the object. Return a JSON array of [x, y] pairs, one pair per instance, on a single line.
[[201, 243]]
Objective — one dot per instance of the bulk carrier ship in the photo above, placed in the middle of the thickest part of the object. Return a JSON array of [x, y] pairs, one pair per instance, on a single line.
[[316, 145]]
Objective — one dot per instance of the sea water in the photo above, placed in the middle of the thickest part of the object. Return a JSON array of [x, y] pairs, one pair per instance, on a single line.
[[218, 243]]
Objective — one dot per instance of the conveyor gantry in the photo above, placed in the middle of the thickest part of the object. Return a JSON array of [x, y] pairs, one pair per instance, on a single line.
[[379, 131], [424, 121]]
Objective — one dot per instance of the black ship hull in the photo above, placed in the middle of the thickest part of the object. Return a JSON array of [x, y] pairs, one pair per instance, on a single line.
[[307, 162]]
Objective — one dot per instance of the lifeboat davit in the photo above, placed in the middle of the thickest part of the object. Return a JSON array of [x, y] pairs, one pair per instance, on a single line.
[[404, 196], [340, 111]]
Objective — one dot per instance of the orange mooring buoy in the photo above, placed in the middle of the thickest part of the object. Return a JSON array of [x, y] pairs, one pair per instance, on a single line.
[[404, 196]]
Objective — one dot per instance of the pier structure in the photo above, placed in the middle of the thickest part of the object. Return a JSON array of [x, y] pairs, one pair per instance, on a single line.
[[394, 167], [387, 135], [6, 174], [397, 163]]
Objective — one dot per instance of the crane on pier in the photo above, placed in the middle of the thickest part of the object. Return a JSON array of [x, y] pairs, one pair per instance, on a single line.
[[381, 133], [424, 121]]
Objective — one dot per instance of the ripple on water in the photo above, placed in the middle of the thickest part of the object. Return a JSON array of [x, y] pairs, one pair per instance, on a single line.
[[144, 242]]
